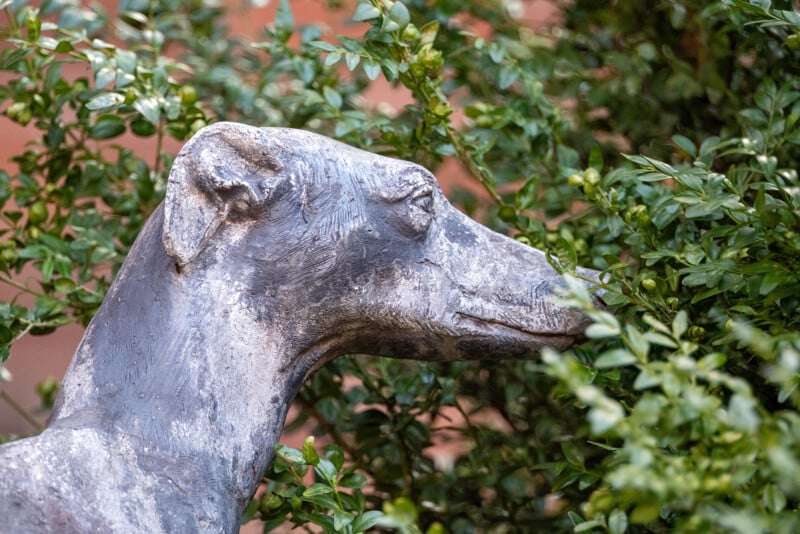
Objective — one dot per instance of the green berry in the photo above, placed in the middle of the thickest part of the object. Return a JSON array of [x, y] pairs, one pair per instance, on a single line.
[[575, 180], [37, 213]]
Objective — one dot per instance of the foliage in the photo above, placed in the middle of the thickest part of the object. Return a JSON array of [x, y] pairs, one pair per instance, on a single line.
[[680, 412], [287, 493], [689, 69], [78, 198]]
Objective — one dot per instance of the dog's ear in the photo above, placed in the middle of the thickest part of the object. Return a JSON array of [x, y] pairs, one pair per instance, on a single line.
[[223, 173]]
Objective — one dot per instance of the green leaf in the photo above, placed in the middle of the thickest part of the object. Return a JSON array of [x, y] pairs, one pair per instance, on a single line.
[[317, 489], [47, 267], [567, 157], [680, 324], [292, 455], [575, 519], [508, 75], [428, 32], [34, 252], [605, 416], [660, 339], [596, 158], [326, 469], [645, 380], [123, 79], [149, 107], [104, 77], [324, 501], [342, 519], [366, 521], [106, 127], [305, 69], [64, 47], [600, 331], [644, 513], [637, 342], [754, 116], [365, 11], [391, 70], [615, 358], [772, 280], [742, 413], [353, 481], [143, 128], [125, 60], [566, 255], [617, 522], [105, 101], [399, 14], [588, 526], [497, 52], [332, 97], [371, 68], [334, 453], [284, 20], [773, 499], [6, 336], [324, 46], [573, 454], [63, 266], [45, 307], [685, 144], [352, 60], [64, 285], [332, 59], [134, 16], [711, 361]]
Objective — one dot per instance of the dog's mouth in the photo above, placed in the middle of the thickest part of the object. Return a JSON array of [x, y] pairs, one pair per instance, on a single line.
[[499, 325]]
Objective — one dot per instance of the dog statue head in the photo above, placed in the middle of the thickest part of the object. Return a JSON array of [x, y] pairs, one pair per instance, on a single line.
[[361, 252]]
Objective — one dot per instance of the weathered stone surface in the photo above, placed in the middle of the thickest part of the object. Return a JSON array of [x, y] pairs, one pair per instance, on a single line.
[[274, 252]]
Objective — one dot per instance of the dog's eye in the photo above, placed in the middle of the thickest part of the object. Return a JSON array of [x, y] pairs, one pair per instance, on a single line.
[[421, 210], [423, 200]]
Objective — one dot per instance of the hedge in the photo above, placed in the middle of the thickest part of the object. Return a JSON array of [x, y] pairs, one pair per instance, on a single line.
[[654, 141]]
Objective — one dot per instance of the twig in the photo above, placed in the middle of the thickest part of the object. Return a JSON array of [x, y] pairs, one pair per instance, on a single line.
[[21, 411], [478, 172], [159, 146], [19, 285]]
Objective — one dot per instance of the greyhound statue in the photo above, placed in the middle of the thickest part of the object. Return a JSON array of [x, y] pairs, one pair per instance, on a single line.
[[275, 251]]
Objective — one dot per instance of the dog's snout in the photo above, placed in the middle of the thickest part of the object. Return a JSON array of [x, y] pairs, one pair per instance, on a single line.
[[597, 299], [594, 280], [548, 289]]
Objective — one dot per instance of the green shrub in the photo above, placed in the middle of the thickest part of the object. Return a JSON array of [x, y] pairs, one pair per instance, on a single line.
[[679, 413]]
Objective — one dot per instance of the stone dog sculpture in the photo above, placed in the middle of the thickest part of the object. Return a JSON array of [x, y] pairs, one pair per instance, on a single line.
[[275, 251]]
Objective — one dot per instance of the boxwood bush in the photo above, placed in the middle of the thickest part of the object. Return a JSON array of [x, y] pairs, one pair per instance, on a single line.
[[655, 141]]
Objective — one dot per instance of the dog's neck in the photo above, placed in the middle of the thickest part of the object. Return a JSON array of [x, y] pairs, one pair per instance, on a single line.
[[185, 377]]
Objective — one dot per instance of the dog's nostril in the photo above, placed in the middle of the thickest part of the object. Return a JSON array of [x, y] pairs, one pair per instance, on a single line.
[[549, 289], [597, 299]]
